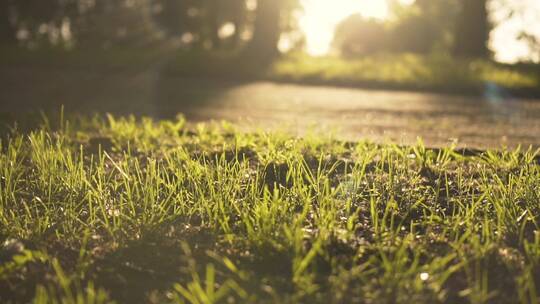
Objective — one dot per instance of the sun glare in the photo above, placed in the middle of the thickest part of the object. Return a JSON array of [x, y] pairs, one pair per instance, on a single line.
[[320, 18]]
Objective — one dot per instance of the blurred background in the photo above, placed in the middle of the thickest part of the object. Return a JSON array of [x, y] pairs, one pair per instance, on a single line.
[[464, 71]]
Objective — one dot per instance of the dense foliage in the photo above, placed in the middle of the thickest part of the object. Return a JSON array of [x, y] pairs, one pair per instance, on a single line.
[[457, 27], [206, 24]]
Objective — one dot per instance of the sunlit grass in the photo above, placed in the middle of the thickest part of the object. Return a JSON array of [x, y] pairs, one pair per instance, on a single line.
[[100, 209], [437, 72]]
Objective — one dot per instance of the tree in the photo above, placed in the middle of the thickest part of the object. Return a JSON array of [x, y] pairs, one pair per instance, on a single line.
[[238, 14], [472, 31], [423, 27], [358, 36], [115, 22], [266, 29], [173, 16], [202, 19], [533, 42], [7, 29], [29, 15]]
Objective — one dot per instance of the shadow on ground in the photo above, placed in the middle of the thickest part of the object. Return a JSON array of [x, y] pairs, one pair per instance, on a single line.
[[353, 113]]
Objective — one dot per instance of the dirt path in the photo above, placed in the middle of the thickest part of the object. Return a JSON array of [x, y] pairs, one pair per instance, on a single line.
[[357, 114], [353, 113]]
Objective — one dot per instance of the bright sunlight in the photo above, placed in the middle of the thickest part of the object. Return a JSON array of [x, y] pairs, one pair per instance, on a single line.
[[321, 17]]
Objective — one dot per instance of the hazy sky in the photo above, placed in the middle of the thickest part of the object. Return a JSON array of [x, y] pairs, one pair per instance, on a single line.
[[320, 18]]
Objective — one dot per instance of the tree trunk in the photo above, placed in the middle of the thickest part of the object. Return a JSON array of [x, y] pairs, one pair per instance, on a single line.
[[472, 30], [212, 23], [238, 21], [267, 30], [7, 30]]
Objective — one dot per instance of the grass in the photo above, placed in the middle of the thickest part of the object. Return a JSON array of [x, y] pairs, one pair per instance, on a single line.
[[437, 72], [102, 209], [408, 71]]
